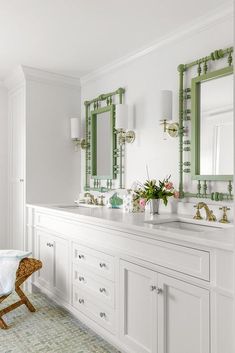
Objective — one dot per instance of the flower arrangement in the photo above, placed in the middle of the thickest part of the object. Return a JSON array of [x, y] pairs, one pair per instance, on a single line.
[[150, 190]]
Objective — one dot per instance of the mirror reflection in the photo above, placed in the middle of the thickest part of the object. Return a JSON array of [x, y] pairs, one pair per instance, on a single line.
[[104, 145], [216, 126]]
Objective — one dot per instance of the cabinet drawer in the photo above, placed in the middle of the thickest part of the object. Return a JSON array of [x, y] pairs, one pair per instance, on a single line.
[[95, 261], [95, 285], [94, 309]]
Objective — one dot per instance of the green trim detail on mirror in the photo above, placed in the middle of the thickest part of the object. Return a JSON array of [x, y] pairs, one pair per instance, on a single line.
[[102, 103], [195, 108], [94, 114], [186, 115]]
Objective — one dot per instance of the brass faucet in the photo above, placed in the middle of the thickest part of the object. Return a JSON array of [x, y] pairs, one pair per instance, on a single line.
[[92, 200], [209, 213]]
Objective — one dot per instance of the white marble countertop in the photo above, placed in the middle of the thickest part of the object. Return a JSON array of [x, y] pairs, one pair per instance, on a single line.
[[222, 237]]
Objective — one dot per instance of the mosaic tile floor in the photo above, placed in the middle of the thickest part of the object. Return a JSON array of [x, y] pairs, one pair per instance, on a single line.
[[50, 330]]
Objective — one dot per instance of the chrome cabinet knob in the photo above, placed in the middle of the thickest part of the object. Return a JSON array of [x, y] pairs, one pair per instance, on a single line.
[[80, 256], [81, 301], [102, 315], [159, 290], [50, 245], [102, 264], [153, 288], [102, 290], [81, 279]]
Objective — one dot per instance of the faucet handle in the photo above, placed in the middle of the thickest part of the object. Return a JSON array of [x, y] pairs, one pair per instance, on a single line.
[[224, 218], [101, 197], [198, 214]]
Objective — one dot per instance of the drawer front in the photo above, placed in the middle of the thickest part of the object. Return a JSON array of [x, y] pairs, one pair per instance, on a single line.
[[101, 288], [95, 310], [95, 261]]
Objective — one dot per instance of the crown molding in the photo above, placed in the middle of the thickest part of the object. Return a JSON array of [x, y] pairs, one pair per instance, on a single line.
[[34, 74], [202, 23], [25, 73]]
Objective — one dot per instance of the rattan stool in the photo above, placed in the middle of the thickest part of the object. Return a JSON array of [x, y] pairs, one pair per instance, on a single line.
[[26, 268]]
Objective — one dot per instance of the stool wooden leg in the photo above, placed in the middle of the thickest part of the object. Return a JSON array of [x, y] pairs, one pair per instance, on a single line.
[[25, 299], [3, 325]]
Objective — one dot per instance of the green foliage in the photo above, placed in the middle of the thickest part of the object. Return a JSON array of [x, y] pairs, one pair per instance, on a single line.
[[150, 190]]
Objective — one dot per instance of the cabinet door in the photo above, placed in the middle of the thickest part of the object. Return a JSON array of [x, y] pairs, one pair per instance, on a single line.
[[61, 268], [183, 317], [54, 275], [45, 252], [138, 307]]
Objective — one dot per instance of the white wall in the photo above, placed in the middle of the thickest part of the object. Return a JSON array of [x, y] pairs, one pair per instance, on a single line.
[[143, 78], [3, 168], [52, 166]]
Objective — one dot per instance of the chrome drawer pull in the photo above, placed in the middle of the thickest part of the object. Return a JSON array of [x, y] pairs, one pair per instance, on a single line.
[[102, 315], [102, 290], [81, 279], [81, 256], [102, 264], [81, 301]]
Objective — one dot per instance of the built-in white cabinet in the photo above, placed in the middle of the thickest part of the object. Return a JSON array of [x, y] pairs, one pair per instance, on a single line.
[[162, 314], [142, 293], [53, 251], [138, 308], [183, 317]]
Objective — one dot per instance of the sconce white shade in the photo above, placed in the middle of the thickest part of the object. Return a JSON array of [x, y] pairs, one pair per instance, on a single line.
[[165, 105], [121, 116], [75, 131]]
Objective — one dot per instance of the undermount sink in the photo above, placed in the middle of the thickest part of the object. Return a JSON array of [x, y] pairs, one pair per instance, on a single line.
[[183, 225], [72, 207]]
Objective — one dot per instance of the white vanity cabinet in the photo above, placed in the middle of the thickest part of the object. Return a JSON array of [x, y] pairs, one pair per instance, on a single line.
[[53, 251], [162, 314], [143, 291]]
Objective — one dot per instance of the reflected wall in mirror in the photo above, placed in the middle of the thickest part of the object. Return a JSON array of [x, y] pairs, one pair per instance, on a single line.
[[212, 130], [102, 136], [216, 126]]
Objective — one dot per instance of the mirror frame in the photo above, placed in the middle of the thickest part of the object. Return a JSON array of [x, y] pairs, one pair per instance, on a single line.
[[102, 103], [94, 114], [186, 146], [195, 137]]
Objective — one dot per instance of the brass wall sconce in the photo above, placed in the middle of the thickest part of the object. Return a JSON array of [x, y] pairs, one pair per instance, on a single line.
[[123, 120], [75, 134], [172, 128]]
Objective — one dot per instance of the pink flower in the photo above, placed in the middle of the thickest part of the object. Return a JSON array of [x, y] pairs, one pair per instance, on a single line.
[[169, 185], [176, 194], [142, 202]]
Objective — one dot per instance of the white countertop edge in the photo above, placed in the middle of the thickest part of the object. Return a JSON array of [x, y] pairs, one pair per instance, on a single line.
[[203, 238]]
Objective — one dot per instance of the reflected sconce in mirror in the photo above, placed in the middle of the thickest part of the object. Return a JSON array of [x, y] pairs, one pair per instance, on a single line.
[[75, 134], [172, 128], [123, 120]]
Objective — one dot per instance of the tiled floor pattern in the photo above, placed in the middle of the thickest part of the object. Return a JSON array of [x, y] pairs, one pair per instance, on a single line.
[[49, 330]]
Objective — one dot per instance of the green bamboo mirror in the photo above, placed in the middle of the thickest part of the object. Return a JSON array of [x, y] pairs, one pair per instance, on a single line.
[[103, 143], [104, 156], [206, 126], [212, 126]]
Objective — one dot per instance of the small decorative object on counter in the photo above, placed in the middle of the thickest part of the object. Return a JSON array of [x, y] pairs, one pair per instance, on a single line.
[[131, 204], [115, 201], [151, 192]]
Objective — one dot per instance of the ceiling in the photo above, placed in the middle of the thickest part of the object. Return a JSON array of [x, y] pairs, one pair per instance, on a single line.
[[75, 37]]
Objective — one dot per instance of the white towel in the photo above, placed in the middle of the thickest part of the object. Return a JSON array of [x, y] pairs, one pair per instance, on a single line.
[[9, 262]]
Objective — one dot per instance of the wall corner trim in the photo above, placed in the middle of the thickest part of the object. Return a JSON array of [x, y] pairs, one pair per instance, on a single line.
[[220, 14]]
